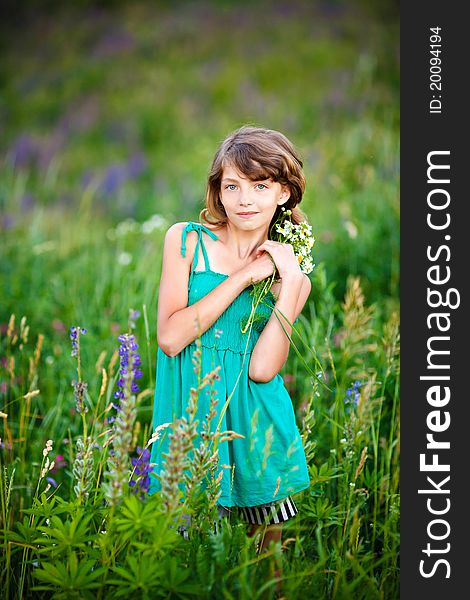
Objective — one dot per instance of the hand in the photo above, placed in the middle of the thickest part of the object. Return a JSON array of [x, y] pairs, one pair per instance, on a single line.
[[283, 257], [260, 268]]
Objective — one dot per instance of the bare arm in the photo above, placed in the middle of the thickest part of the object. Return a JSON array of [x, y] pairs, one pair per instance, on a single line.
[[177, 322], [272, 348]]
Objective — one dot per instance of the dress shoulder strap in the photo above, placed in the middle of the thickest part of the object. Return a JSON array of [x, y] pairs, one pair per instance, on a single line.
[[199, 228]]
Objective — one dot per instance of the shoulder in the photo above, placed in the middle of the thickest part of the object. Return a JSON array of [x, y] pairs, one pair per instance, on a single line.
[[181, 238], [174, 234], [174, 239], [175, 230]]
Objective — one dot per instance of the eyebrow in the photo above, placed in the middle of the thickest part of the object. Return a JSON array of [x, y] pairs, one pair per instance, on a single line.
[[236, 180]]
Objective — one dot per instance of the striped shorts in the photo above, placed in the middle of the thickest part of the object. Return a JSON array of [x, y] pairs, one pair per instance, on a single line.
[[270, 513]]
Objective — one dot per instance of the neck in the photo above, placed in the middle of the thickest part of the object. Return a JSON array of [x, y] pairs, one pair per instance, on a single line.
[[244, 243]]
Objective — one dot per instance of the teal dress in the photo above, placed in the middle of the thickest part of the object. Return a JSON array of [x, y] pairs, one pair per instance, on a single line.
[[268, 463]]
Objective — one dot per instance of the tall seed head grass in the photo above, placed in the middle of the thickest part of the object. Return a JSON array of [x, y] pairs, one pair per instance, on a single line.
[[182, 472], [357, 331], [391, 344]]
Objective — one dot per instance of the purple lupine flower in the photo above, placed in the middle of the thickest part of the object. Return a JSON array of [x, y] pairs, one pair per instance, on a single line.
[[23, 151], [114, 42], [26, 202], [128, 353], [117, 474], [353, 394], [115, 177], [136, 165], [140, 481], [52, 481], [7, 221], [74, 333]]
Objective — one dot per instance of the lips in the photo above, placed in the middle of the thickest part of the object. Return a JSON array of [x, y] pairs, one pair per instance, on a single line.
[[246, 214]]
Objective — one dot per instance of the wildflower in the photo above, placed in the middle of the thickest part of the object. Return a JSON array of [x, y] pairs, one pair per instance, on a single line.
[[123, 422], [300, 236], [75, 333], [52, 481], [140, 480], [129, 355], [83, 470], [353, 394], [136, 165], [57, 325], [48, 466], [60, 463], [133, 316], [113, 179], [27, 202], [48, 448]]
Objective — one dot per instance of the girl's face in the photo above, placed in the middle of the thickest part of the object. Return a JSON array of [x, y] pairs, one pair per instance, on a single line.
[[250, 204]]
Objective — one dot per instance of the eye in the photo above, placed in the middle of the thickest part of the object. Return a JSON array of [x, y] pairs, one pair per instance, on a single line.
[[263, 186], [230, 186]]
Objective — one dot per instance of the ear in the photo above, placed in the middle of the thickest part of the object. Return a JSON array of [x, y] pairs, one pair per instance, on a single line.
[[285, 195]]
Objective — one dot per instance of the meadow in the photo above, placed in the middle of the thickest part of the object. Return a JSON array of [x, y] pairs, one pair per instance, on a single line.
[[110, 117]]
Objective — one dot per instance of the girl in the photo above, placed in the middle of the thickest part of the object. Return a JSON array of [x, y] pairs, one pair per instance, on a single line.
[[206, 277]]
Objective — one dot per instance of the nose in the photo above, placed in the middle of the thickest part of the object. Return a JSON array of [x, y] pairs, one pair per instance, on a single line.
[[245, 199]]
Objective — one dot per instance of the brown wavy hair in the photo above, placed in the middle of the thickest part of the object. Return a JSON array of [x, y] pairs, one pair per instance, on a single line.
[[258, 154]]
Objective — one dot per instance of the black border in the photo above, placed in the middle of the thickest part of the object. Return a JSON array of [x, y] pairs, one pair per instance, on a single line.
[[421, 133]]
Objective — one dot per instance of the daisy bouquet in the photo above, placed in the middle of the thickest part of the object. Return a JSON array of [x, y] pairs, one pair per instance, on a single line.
[[300, 236]]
